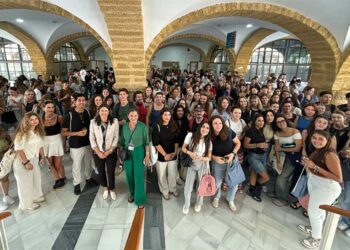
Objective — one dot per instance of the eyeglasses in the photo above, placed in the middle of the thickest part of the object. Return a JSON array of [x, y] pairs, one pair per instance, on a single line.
[[281, 121]]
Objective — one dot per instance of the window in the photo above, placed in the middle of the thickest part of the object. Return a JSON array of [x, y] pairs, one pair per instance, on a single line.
[[14, 60], [67, 53], [281, 56], [219, 55]]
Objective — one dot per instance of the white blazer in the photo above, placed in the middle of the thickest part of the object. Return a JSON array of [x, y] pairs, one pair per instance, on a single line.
[[96, 135]]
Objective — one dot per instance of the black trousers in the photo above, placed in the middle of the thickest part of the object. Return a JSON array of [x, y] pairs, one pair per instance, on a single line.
[[106, 170]]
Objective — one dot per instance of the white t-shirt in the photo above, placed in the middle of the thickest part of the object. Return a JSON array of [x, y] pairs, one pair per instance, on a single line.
[[288, 140], [200, 149], [237, 127]]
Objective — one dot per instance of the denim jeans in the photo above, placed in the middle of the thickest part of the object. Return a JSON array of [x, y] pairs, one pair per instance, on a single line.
[[346, 202], [219, 171]]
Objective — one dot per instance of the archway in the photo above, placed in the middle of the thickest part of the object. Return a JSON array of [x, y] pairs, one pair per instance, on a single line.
[[320, 42]]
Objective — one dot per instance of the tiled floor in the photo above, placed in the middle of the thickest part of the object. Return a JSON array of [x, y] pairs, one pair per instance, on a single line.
[[254, 225]]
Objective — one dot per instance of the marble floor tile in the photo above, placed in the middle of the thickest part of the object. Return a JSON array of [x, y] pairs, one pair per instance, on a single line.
[[116, 216], [175, 242], [96, 218], [88, 239], [235, 241], [35, 235], [215, 228], [16, 243], [263, 239], [198, 243], [186, 229], [111, 239]]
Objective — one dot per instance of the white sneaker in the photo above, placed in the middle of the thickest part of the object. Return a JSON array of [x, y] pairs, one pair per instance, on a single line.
[[232, 206], [347, 232], [39, 200], [3, 206], [197, 208], [215, 203], [342, 226], [105, 195], [8, 200], [113, 195], [34, 206], [185, 210]]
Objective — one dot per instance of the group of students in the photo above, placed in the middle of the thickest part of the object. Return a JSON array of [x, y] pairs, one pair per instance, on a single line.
[[274, 129]]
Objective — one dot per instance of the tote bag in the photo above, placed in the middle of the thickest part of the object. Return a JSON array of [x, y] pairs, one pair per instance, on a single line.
[[300, 188], [234, 173], [7, 161], [207, 185]]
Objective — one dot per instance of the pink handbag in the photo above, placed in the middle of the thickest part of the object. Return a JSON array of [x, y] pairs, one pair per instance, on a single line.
[[207, 186]]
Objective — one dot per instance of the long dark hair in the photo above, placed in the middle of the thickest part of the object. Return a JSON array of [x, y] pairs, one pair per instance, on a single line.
[[224, 131], [274, 126], [319, 155], [311, 129], [172, 123], [196, 137], [110, 118], [92, 106]]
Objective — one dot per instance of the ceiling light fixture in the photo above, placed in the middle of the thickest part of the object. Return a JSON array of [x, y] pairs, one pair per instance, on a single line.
[[249, 25], [19, 20]]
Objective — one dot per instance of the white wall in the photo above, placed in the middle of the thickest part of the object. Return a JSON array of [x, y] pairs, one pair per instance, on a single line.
[[176, 54], [101, 55]]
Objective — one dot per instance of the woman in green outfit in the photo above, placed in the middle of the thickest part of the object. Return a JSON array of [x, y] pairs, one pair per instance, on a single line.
[[135, 140]]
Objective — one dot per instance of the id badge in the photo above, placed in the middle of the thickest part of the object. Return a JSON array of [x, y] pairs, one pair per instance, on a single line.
[[131, 147]]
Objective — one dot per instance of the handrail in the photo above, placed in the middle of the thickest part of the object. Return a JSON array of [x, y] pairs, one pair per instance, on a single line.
[[5, 214], [336, 210], [134, 238]]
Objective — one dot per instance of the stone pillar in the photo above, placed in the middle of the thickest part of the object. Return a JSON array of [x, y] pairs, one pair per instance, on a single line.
[[125, 26]]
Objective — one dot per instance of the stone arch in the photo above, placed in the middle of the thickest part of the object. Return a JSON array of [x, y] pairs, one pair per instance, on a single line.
[[230, 52], [53, 9], [246, 50], [342, 81], [51, 51], [320, 42], [34, 50]]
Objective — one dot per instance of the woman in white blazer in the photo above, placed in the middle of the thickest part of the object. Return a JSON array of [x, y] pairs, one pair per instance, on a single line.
[[104, 132]]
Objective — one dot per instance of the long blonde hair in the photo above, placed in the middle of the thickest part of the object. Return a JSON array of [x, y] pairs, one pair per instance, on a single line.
[[24, 127], [25, 99]]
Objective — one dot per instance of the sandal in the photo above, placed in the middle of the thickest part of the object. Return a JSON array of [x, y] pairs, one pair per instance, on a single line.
[[306, 214], [140, 206], [131, 199], [295, 205]]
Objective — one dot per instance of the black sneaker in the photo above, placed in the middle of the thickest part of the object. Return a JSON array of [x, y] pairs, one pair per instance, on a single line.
[[251, 192], [61, 183], [56, 184], [63, 179], [77, 189]]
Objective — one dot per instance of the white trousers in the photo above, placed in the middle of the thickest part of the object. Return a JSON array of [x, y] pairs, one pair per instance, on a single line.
[[322, 191], [81, 157], [167, 172], [191, 177], [28, 182]]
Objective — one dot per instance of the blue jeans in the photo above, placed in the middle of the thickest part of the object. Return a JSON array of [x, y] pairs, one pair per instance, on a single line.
[[346, 202], [219, 171]]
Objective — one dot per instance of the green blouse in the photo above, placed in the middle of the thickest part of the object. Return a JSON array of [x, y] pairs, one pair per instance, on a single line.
[[139, 138]]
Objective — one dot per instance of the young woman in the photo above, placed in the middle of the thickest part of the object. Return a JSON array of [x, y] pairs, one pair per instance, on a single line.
[[53, 143], [148, 96], [198, 146], [174, 97], [289, 141], [29, 101], [165, 139], [154, 111], [225, 147], [235, 122], [255, 105], [246, 112], [287, 112], [180, 117], [257, 147], [135, 139], [14, 103], [104, 134], [110, 102], [29, 146], [64, 98], [308, 114], [223, 108], [265, 102], [323, 184], [95, 102]]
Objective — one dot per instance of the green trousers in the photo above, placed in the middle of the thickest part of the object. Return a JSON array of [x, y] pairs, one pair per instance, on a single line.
[[134, 173]]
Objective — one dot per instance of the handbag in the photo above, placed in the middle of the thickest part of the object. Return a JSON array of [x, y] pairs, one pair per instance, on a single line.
[[7, 161], [273, 160], [300, 188], [9, 117], [234, 173], [185, 160], [207, 185], [153, 154]]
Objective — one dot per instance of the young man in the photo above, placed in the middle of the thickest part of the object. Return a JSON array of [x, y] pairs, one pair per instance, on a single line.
[[140, 106], [121, 110], [326, 99], [345, 107], [198, 118], [76, 125]]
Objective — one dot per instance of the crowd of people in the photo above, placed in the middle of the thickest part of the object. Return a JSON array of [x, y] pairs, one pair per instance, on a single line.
[[273, 127]]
